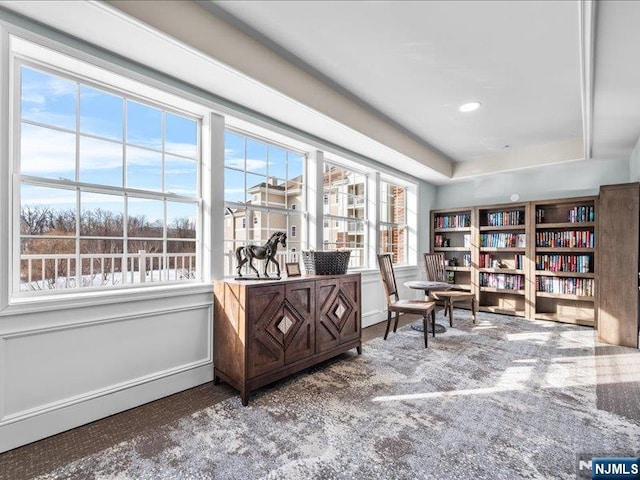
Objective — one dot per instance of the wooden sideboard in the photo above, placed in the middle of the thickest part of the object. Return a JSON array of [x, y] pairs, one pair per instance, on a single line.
[[265, 330]]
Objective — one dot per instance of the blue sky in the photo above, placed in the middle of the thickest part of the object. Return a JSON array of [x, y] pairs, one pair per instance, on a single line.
[[50, 153]]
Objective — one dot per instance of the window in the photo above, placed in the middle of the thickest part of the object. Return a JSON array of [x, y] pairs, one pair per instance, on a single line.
[[325, 199], [261, 179], [108, 185], [393, 221], [347, 212]]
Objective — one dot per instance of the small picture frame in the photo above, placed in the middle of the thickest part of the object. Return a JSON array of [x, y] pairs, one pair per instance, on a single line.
[[293, 269]]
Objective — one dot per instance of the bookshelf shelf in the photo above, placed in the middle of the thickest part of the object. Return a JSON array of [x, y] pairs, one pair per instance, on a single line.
[[502, 270], [503, 311], [520, 264], [565, 296], [502, 290], [565, 250], [565, 225], [502, 249], [451, 230], [499, 228], [549, 273], [577, 319]]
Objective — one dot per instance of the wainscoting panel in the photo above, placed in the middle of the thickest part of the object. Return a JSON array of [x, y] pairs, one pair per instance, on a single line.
[[87, 364], [49, 368]]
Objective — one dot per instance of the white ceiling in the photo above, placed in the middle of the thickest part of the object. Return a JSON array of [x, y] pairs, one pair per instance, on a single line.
[[416, 62], [400, 70]]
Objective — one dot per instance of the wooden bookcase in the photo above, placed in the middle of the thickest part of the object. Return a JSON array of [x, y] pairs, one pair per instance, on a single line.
[[503, 234], [452, 234], [531, 259], [564, 260]]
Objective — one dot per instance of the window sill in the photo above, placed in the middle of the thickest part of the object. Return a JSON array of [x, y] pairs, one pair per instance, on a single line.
[[64, 301]]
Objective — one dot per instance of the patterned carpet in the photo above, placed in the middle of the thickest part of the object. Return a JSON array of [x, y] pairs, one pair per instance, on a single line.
[[507, 398]]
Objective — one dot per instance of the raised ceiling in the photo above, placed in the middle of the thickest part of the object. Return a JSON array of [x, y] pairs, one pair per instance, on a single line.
[[385, 79], [417, 62]]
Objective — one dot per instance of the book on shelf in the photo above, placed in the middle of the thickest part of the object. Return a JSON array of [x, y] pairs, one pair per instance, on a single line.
[[467, 240], [505, 218], [503, 240], [566, 239], [461, 220], [564, 263], [565, 285], [581, 213], [502, 281]]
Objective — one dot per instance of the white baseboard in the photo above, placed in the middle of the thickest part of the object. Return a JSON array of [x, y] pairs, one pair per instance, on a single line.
[[52, 422]]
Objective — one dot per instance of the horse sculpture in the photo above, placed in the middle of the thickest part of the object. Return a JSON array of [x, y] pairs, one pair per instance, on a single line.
[[267, 252]]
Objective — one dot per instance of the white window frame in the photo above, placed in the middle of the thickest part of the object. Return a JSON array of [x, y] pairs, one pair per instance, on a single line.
[[339, 218], [67, 62], [382, 199], [251, 209]]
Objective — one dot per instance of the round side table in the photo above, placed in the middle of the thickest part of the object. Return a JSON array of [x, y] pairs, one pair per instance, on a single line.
[[428, 287]]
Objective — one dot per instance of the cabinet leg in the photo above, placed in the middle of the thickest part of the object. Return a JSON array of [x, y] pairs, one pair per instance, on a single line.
[[216, 379], [359, 349], [244, 396]]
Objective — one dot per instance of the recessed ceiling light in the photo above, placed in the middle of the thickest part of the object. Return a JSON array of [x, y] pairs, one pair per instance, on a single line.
[[469, 107]]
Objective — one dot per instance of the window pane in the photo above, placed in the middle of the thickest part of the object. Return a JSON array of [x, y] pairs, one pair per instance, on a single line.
[[47, 211], [256, 189], [48, 99], [101, 214], [181, 136], [277, 162], [233, 185], [101, 262], [295, 167], [144, 169], [346, 235], [100, 113], [47, 264], [181, 219], [256, 157], [233, 150], [181, 260], [47, 153], [235, 224], [181, 176], [144, 125], [145, 217], [294, 195], [145, 261], [276, 193], [100, 162]]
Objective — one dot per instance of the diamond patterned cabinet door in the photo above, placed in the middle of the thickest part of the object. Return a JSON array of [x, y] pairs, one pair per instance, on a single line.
[[338, 310], [266, 340], [300, 306]]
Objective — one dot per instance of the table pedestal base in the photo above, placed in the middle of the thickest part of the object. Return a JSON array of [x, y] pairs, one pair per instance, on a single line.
[[419, 328]]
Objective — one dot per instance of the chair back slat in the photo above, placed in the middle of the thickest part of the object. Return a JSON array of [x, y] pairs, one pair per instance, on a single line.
[[388, 277], [434, 263]]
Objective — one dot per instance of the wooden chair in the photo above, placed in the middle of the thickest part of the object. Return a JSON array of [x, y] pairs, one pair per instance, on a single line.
[[436, 272], [394, 304]]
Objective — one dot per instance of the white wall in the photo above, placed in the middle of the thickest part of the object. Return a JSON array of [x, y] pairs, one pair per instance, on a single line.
[[571, 179], [634, 164]]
